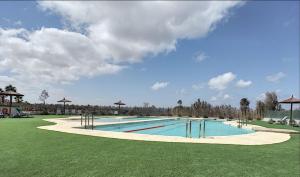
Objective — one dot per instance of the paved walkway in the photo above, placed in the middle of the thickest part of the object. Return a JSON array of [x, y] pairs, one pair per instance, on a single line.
[[72, 124], [264, 129]]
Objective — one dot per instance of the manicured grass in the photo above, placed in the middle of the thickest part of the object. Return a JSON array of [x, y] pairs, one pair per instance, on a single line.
[[266, 124], [26, 151]]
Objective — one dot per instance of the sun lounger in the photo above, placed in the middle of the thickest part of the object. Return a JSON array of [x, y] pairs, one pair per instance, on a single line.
[[20, 113], [297, 124], [294, 123], [283, 120]]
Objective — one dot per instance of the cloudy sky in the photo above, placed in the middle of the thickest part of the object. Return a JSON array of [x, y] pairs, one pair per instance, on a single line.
[[156, 52]]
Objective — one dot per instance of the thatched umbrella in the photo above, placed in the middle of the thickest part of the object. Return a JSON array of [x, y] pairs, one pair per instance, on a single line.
[[10, 94], [291, 101], [119, 103], [64, 100]]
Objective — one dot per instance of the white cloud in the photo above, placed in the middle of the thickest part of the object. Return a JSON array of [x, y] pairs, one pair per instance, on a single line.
[[276, 77], [18, 23], [6, 79], [213, 98], [102, 38], [159, 85], [221, 82], [220, 96], [181, 92], [278, 91], [242, 84], [200, 57], [226, 96], [50, 55], [198, 86], [128, 31]]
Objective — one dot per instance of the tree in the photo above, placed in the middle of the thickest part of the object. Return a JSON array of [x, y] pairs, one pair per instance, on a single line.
[[13, 89], [179, 102], [2, 96], [260, 109], [271, 101], [44, 96], [146, 109], [244, 106], [10, 88]]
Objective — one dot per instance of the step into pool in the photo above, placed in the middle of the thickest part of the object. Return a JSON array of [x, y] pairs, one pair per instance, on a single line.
[[178, 127]]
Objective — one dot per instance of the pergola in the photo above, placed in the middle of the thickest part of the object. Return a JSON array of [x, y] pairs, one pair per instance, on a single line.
[[10, 94], [119, 103], [64, 100], [291, 101]]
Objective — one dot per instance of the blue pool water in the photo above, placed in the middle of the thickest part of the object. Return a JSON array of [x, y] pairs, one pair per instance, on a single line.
[[104, 119], [176, 128]]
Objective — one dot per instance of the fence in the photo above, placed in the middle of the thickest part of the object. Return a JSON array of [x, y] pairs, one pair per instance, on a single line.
[[281, 114]]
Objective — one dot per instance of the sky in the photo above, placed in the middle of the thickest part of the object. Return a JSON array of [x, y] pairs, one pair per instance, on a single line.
[[157, 52]]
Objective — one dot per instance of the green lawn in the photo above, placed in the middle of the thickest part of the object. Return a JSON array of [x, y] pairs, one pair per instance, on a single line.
[[26, 151]]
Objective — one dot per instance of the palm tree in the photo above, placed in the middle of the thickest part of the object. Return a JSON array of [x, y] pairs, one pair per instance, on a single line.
[[10, 88], [244, 106], [179, 102]]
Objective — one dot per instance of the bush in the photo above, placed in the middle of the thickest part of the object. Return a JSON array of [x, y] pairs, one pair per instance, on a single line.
[[271, 121], [205, 116], [221, 117], [44, 113]]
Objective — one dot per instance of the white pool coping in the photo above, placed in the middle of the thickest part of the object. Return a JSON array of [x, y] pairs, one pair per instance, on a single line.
[[257, 138]]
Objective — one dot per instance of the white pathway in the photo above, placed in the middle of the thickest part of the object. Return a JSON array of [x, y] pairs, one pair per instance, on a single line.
[[70, 125]]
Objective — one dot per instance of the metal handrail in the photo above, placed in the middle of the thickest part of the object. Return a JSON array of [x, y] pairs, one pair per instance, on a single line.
[[203, 128], [87, 117], [190, 129], [200, 126], [186, 129]]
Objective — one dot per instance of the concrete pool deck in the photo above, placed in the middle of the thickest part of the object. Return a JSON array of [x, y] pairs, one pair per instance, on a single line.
[[262, 135]]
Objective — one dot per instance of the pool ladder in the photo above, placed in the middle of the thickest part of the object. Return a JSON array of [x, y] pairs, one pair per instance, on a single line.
[[188, 129], [87, 117]]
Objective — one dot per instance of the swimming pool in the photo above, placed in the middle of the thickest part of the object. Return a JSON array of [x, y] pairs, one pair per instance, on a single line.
[[178, 127]]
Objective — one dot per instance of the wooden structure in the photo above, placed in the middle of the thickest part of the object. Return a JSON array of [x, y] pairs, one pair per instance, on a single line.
[[64, 100]]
